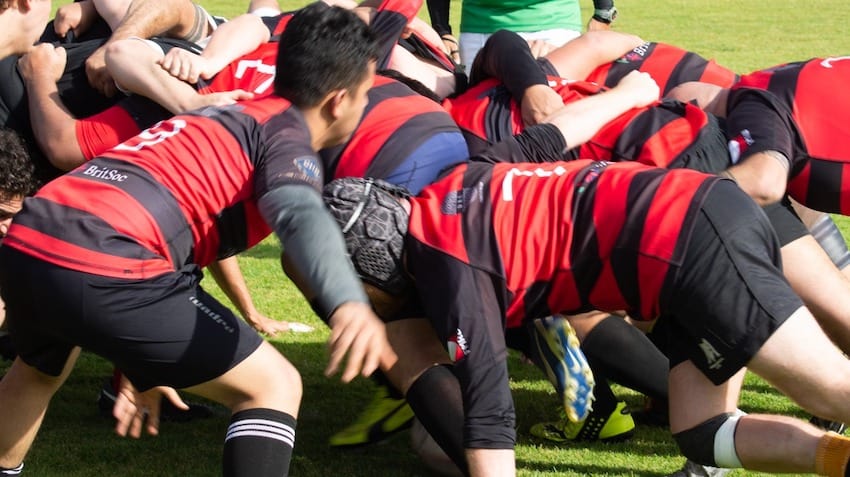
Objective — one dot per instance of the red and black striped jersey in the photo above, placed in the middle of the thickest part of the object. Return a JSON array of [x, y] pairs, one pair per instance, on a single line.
[[820, 109], [396, 122], [811, 120], [668, 65], [179, 193], [658, 135], [562, 237]]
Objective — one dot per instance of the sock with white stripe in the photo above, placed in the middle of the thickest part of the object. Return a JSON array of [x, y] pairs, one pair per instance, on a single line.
[[259, 443], [13, 471]]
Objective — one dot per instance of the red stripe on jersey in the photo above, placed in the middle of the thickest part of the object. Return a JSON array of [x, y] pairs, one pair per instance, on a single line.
[[406, 8], [113, 205], [391, 106], [756, 79], [253, 72], [822, 108], [284, 20], [97, 134], [84, 260], [798, 186], [442, 231], [669, 142]]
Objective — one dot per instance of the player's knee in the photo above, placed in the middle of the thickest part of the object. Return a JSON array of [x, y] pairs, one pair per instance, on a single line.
[[712, 442]]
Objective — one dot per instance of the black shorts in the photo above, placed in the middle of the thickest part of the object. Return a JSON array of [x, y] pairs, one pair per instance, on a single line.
[[161, 331], [729, 296]]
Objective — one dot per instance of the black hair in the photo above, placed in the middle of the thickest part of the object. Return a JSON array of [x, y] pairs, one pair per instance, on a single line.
[[322, 49], [17, 173]]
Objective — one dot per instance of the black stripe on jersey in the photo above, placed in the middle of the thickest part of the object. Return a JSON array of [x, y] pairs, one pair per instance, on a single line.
[[584, 252], [232, 234], [477, 223], [243, 126], [689, 68], [155, 197], [537, 299], [624, 258], [144, 112], [81, 229], [498, 117], [827, 194], [783, 83], [644, 127], [625, 65]]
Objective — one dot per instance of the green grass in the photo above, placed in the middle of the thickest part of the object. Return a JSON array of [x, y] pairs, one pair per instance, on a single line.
[[75, 441]]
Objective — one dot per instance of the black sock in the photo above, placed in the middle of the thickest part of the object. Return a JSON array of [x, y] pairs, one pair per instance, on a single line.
[[259, 443], [604, 400], [441, 417], [622, 353], [17, 470]]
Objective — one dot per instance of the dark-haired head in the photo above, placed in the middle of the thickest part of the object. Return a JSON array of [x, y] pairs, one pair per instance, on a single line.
[[322, 49], [17, 174]]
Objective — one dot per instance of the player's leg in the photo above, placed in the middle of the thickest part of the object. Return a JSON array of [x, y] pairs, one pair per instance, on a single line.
[[25, 394]]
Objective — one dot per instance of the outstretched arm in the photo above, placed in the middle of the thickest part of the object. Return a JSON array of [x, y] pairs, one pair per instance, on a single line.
[[323, 272], [580, 120], [229, 278]]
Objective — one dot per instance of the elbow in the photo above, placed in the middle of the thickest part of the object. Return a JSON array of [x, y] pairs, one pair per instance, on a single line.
[[63, 157]]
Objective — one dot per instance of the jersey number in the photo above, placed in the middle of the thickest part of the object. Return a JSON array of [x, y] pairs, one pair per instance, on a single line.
[[261, 68], [154, 135]]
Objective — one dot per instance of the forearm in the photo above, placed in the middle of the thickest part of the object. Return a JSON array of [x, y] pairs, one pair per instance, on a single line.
[[53, 125], [579, 121], [229, 278], [134, 67], [313, 246], [233, 39]]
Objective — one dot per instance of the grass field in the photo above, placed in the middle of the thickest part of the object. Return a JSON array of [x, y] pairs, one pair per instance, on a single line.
[[75, 441]]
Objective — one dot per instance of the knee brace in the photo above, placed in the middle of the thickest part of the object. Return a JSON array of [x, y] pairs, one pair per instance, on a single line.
[[830, 239], [712, 442]]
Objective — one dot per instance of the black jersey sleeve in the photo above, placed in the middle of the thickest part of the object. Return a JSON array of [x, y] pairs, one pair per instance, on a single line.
[[438, 11], [467, 307], [313, 247]]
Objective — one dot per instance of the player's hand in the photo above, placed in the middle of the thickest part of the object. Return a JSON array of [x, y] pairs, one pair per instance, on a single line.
[[223, 98], [187, 66], [77, 17], [98, 74], [452, 47], [43, 60], [268, 326], [357, 332], [538, 103], [596, 25], [134, 410], [640, 87]]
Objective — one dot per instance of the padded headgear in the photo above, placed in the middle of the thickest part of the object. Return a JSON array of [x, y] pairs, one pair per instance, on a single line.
[[374, 224]]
